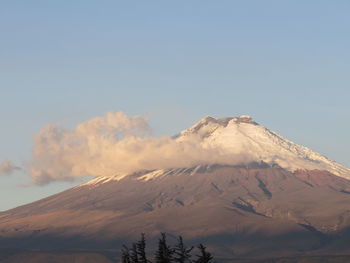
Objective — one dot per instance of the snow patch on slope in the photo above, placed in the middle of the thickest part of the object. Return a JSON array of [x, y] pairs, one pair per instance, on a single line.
[[103, 179]]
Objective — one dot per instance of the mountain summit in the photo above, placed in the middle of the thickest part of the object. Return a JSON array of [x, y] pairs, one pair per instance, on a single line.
[[266, 197], [241, 140], [242, 135]]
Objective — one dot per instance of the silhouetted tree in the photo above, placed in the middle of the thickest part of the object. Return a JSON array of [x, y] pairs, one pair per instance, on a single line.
[[125, 254], [134, 257], [164, 252], [204, 256], [141, 249], [181, 252]]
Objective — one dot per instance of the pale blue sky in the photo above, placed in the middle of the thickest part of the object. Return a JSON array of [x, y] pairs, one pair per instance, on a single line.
[[286, 63]]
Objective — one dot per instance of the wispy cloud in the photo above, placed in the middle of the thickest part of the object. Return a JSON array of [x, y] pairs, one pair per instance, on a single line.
[[7, 167], [111, 145]]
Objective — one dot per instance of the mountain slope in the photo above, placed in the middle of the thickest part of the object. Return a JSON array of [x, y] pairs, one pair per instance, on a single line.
[[295, 203], [234, 209]]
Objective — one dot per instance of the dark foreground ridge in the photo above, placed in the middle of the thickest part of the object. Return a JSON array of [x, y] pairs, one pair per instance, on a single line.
[[105, 257]]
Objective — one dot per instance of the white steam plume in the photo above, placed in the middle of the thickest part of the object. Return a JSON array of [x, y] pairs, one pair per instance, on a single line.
[[112, 145]]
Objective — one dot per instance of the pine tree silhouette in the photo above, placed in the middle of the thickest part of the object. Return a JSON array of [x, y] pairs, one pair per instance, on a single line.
[[164, 252], [204, 256], [141, 249], [134, 257], [181, 252], [125, 254]]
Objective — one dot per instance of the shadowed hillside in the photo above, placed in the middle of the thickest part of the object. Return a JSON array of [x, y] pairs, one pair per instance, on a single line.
[[256, 210]]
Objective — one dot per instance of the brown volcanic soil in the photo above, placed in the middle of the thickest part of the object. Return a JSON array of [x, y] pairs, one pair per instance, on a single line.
[[237, 211]]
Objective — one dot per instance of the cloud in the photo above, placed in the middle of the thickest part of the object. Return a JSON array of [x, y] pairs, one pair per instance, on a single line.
[[7, 167], [116, 144]]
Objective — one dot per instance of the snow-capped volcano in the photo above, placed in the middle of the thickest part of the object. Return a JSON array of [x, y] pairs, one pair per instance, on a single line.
[[242, 135], [282, 199]]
